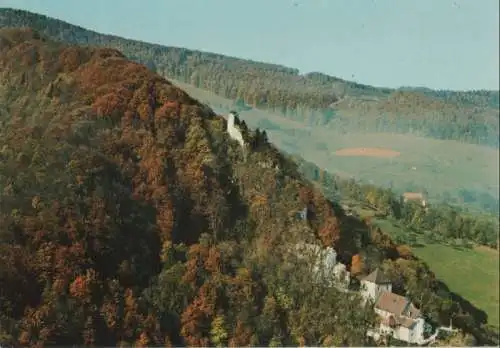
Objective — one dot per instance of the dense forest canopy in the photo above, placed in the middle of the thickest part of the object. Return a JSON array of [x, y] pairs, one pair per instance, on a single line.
[[128, 216], [313, 98]]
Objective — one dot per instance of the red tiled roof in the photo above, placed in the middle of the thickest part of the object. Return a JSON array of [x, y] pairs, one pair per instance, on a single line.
[[392, 303], [404, 313], [413, 195]]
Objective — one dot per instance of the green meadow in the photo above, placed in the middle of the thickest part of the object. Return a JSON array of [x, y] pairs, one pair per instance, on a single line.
[[471, 273]]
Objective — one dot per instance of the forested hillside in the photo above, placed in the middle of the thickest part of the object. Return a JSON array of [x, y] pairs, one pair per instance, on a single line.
[[313, 98], [127, 216]]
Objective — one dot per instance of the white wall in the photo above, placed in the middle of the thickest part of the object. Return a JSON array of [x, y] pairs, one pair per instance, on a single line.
[[324, 262], [418, 330], [341, 274], [367, 290], [373, 290], [234, 133], [410, 335], [402, 333], [329, 257]]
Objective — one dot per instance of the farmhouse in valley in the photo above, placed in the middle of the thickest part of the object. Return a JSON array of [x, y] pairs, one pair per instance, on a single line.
[[416, 197], [399, 317]]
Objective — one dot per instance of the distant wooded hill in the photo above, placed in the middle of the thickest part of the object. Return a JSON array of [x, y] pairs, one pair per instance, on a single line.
[[311, 98]]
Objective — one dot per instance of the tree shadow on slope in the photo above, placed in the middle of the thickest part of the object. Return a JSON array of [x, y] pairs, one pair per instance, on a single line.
[[473, 320], [354, 236]]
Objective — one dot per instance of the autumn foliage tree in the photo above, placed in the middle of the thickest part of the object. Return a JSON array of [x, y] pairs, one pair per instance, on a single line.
[[306, 195], [356, 265], [196, 318], [330, 231], [404, 251]]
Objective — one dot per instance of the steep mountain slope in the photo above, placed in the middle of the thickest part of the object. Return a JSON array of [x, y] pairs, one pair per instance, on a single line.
[[312, 98], [128, 216]]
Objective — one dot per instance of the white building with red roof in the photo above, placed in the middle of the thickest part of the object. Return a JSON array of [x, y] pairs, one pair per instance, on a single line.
[[398, 316]]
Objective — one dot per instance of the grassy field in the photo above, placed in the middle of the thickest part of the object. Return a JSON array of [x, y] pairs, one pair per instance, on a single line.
[[439, 166], [472, 273]]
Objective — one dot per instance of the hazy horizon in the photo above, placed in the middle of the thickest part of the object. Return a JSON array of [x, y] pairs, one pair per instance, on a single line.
[[450, 45]]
